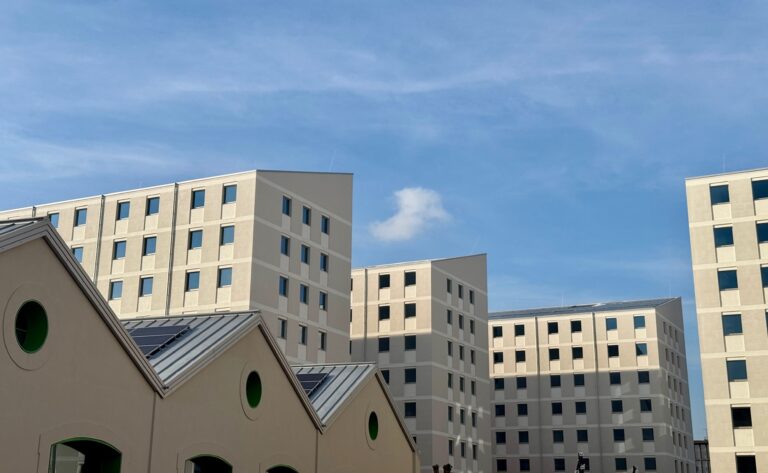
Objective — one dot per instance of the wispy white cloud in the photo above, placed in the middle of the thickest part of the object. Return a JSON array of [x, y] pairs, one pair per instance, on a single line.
[[417, 209]]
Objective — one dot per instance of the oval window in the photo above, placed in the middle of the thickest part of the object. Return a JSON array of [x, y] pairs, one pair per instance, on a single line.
[[253, 389], [31, 326], [373, 426]]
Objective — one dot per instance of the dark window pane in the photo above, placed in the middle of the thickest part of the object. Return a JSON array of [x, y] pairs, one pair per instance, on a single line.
[[410, 309], [384, 344], [522, 409], [617, 406], [575, 326], [764, 275], [230, 194], [618, 435], [643, 377], [525, 464], [520, 356], [723, 236], [760, 189], [582, 436], [641, 349], [558, 436], [621, 464], [578, 379], [325, 224], [410, 409], [646, 405], [737, 370], [153, 205], [497, 331], [498, 384], [522, 382], [383, 281], [719, 194], [615, 377], [193, 281], [746, 464], [648, 434], [762, 232], [557, 408], [410, 278], [500, 410], [150, 246], [741, 417], [732, 324], [383, 312], [610, 323], [555, 381], [410, 342], [227, 235], [577, 353], [727, 279], [552, 327], [639, 321], [581, 407], [554, 354], [225, 277], [198, 198], [650, 463], [519, 330], [81, 216], [498, 357], [523, 437], [123, 210], [613, 351], [410, 375]]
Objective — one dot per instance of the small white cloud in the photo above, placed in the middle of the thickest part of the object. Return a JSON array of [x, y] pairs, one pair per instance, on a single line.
[[417, 208]]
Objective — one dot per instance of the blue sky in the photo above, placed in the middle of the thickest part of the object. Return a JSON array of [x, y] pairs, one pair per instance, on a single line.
[[555, 136]]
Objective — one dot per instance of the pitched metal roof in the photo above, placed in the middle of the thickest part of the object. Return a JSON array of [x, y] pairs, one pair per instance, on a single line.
[[10, 226], [341, 381], [581, 309], [206, 336]]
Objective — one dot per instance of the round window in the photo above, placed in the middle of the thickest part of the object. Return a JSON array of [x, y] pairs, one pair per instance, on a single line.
[[253, 389], [373, 426], [31, 326]]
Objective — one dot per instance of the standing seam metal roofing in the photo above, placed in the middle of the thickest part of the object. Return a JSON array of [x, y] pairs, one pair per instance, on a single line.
[[206, 333], [18, 224], [581, 309], [341, 382]]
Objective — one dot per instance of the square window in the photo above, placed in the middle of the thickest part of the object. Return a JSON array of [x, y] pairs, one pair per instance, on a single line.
[[283, 286], [410, 309], [77, 252], [192, 281], [225, 277], [641, 349], [617, 406], [611, 323], [501, 464], [615, 377], [229, 194], [227, 235], [559, 464], [581, 407], [525, 464], [737, 370], [383, 312], [324, 262], [302, 334], [760, 189], [383, 281], [119, 250], [577, 353], [552, 328], [323, 300], [323, 340], [81, 217], [643, 377], [718, 194], [554, 354], [383, 344], [741, 417], [145, 287], [646, 405], [410, 342], [410, 409], [498, 331], [727, 279], [578, 379], [325, 224], [557, 408], [195, 239], [198, 198], [149, 246], [639, 321], [306, 215], [582, 436], [522, 409], [575, 326], [303, 293], [558, 436], [498, 357], [410, 375], [618, 435], [519, 330], [647, 434], [523, 437], [555, 381], [746, 464], [520, 356], [621, 464], [410, 278], [613, 351], [762, 232], [123, 210], [723, 236], [286, 205], [305, 254], [54, 219], [521, 382], [500, 410], [650, 463], [498, 384], [153, 205], [285, 245], [501, 438], [115, 290], [283, 328], [732, 324]]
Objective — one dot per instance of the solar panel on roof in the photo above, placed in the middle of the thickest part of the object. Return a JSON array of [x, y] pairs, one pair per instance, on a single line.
[[310, 381], [153, 339]]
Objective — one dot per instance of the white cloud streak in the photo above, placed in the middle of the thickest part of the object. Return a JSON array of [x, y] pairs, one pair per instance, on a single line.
[[417, 209]]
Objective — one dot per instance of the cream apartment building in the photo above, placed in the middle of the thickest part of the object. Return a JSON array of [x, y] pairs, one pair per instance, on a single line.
[[728, 222], [606, 380], [425, 324], [274, 241]]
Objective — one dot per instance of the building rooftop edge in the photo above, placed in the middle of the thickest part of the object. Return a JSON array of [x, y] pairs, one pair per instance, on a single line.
[[582, 308], [743, 171], [403, 263]]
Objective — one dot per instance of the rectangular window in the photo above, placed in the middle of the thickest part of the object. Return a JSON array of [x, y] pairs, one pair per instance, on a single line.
[[302, 334], [118, 251], [618, 435], [621, 464], [463, 446], [648, 434], [471, 296], [582, 436], [286, 206], [650, 464], [497, 331], [577, 353], [552, 328], [115, 290], [522, 410], [450, 380], [578, 379], [323, 300], [449, 317], [643, 377], [615, 378], [727, 279], [306, 215], [410, 375], [195, 239], [462, 416], [613, 351], [383, 312], [81, 217], [521, 382], [525, 464], [641, 349], [471, 326], [472, 356], [555, 381], [410, 309], [449, 286], [324, 262], [283, 328], [325, 224], [501, 464], [385, 375], [303, 293], [192, 282], [519, 330], [410, 342], [741, 417], [383, 281], [450, 413], [554, 354], [519, 356], [737, 370], [500, 410], [285, 245], [225, 277], [450, 349], [732, 324], [523, 437], [323, 340], [229, 194], [153, 205], [461, 322], [760, 189], [123, 210], [149, 246], [575, 326], [77, 252], [764, 275], [718, 194], [410, 278], [305, 254], [610, 323], [580, 407], [558, 436], [498, 357], [53, 217], [461, 291], [283, 286], [639, 321], [723, 236], [559, 464], [762, 232], [557, 408], [145, 286], [227, 235], [646, 405], [498, 384], [198, 198], [617, 406], [383, 344], [410, 409], [501, 438]]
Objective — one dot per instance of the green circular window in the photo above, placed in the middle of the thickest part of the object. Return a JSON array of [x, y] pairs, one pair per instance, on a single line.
[[373, 426], [253, 389], [31, 326]]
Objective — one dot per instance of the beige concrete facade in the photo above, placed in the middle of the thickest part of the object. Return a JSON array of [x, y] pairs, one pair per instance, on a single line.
[[608, 380], [425, 324], [224, 253], [87, 394], [728, 222]]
